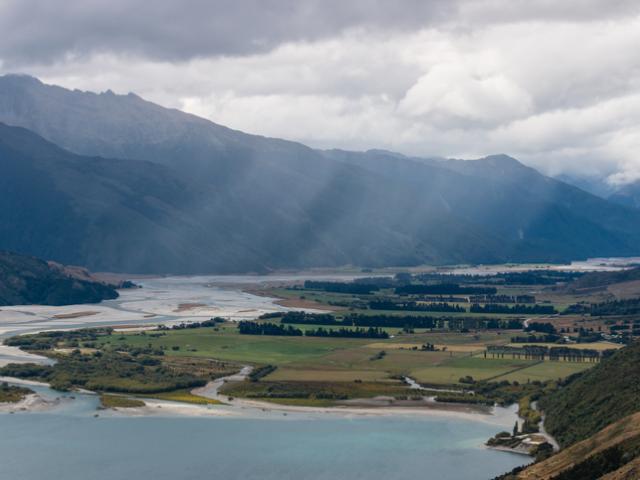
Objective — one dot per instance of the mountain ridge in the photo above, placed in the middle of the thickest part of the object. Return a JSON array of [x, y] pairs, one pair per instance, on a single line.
[[26, 280], [145, 189]]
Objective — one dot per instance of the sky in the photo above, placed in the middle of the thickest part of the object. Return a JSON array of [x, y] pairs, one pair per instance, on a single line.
[[555, 84]]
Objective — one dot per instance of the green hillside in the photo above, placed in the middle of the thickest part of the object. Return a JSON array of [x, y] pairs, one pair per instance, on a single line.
[[595, 398]]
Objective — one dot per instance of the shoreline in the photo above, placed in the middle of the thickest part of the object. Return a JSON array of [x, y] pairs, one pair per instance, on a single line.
[[242, 407], [509, 450], [264, 410], [31, 403], [246, 408]]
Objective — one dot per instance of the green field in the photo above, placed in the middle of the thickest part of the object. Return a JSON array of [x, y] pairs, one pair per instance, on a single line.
[[227, 344], [348, 360], [547, 370], [477, 367]]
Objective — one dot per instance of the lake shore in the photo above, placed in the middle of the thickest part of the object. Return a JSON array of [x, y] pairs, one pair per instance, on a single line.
[[247, 408], [360, 408], [32, 402]]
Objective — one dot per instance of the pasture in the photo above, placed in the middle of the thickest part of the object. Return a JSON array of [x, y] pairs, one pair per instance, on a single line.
[[305, 359]]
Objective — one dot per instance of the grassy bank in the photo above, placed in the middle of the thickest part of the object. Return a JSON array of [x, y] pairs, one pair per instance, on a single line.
[[13, 394]]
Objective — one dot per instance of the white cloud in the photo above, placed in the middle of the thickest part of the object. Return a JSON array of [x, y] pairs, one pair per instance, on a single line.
[[451, 95]]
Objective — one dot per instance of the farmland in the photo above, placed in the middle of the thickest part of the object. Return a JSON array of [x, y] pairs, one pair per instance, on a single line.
[[348, 360]]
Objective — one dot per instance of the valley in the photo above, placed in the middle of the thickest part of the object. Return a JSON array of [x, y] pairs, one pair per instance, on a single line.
[[377, 344], [319, 240]]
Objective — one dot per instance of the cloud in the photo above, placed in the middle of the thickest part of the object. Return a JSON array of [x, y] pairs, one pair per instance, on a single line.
[[46, 31], [556, 84], [450, 95]]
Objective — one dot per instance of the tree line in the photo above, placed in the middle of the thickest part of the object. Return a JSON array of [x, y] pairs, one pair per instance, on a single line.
[[371, 332], [515, 309], [401, 321], [265, 328], [540, 352], [341, 287], [502, 299], [415, 306], [444, 289], [548, 338]]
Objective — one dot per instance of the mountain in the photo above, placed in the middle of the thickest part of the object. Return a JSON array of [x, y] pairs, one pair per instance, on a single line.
[[114, 182], [28, 280], [627, 195], [595, 184]]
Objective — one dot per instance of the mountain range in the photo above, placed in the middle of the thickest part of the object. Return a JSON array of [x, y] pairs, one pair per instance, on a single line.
[[116, 183]]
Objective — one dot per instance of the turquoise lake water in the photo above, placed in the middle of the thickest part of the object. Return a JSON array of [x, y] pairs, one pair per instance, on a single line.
[[71, 444]]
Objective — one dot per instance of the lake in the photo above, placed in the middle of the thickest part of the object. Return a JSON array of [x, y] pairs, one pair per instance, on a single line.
[[70, 443]]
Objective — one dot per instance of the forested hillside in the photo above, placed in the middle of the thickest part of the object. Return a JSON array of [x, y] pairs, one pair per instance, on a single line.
[[27, 280], [596, 398]]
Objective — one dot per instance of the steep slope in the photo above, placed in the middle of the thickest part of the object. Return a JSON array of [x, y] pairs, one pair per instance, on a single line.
[[596, 419], [128, 215], [596, 457], [188, 196], [27, 280], [595, 398]]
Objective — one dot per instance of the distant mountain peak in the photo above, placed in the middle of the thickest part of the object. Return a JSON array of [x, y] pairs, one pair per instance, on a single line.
[[501, 159], [386, 153], [22, 76]]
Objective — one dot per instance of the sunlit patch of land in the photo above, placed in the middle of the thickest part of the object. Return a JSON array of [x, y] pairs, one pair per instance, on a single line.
[[118, 401], [184, 396]]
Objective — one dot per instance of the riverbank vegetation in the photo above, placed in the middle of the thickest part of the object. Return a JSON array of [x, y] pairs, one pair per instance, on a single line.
[[314, 393], [12, 393], [117, 401], [182, 396], [118, 368]]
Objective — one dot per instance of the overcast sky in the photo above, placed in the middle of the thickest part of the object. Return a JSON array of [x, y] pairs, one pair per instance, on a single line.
[[553, 83]]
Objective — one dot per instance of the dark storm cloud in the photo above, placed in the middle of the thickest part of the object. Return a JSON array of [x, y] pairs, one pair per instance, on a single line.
[[43, 31]]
